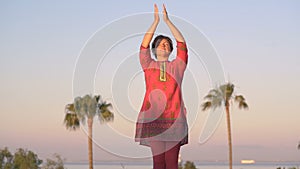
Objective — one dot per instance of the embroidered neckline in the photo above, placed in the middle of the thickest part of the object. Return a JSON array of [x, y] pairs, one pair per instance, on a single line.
[[162, 74]]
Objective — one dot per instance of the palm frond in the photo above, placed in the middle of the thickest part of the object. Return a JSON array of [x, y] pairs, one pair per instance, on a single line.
[[92, 107], [227, 90], [206, 105], [82, 108], [105, 115], [104, 105], [71, 121], [85, 102], [209, 96], [239, 98], [217, 102], [77, 104], [243, 105], [87, 107], [214, 99], [98, 98], [70, 108], [213, 92], [221, 95]]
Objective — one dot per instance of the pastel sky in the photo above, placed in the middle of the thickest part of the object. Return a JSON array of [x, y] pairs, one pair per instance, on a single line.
[[257, 43]]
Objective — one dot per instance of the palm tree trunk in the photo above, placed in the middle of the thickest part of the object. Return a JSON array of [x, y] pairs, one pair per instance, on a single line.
[[90, 142], [229, 133]]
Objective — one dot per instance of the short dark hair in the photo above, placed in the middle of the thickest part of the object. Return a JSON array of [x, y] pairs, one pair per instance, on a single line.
[[157, 41]]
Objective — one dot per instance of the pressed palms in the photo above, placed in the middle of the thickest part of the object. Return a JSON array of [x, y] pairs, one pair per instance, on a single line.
[[223, 95], [85, 109]]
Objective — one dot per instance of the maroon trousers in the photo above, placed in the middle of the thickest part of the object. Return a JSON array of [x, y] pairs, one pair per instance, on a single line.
[[165, 154]]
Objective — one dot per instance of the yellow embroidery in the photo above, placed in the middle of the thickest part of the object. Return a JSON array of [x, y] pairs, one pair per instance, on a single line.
[[153, 85], [147, 105], [172, 114], [182, 48], [164, 87], [177, 105]]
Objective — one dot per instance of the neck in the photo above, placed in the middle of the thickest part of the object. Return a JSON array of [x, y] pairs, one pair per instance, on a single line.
[[161, 58]]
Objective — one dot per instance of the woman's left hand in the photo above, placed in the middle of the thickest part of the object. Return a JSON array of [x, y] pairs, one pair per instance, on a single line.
[[165, 13]]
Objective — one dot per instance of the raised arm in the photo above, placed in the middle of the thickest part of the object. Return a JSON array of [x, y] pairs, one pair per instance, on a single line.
[[176, 33], [149, 34]]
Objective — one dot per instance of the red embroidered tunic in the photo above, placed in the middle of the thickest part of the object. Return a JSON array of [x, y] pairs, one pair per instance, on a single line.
[[163, 116]]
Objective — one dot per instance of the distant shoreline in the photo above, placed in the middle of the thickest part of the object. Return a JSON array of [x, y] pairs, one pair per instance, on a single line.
[[198, 163]]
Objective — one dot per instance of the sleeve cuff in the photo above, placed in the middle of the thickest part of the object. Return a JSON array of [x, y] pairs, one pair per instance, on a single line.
[[143, 48], [181, 46]]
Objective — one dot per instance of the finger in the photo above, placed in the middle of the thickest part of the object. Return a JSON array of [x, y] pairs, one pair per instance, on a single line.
[[165, 9], [155, 8]]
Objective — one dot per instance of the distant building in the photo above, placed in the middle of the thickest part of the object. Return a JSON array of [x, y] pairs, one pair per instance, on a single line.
[[247, 161]]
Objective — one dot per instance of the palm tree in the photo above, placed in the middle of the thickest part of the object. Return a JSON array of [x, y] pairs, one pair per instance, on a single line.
[[85, 109], [222, 95]]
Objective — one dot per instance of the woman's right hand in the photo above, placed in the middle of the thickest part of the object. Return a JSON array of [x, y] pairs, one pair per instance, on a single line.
[[150, 32], [156, 14]]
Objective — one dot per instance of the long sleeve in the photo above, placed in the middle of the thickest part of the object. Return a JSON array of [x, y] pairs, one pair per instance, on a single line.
[[145, 57], [182, 51], [182, 56]]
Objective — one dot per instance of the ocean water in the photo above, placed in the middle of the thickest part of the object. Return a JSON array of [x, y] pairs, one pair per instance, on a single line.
[[204, 166]]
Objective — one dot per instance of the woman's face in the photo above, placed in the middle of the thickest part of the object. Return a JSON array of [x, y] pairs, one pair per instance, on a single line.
[[163, 49]]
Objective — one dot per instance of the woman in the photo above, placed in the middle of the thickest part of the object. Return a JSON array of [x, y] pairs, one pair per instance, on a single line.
[[162, 120]]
